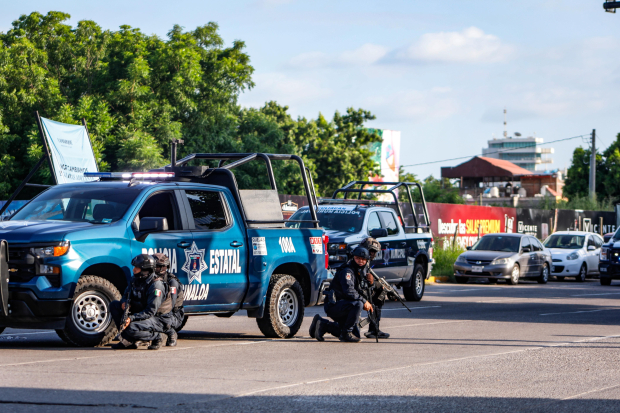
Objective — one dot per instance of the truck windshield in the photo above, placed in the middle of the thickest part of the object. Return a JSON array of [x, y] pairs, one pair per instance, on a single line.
[[96, 205], [570, 242], [497, 243], [331, 219]]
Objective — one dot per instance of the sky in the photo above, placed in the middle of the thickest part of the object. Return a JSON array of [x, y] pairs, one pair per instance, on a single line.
[[441, 72]]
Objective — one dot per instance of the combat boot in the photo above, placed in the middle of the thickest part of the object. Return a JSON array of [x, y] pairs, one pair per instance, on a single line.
[[172, 338], [320, 328], [156, 344], [373, 334], [348, 337], [315, 320]]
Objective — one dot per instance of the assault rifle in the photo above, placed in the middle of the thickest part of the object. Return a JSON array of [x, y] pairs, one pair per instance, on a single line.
[[126, 296], [372, 315], [388, 290]]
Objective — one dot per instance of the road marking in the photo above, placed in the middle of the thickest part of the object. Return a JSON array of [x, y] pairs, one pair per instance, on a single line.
[[583, 295], [419, 365], [591, 391], [501, 301], [454, 291], [428, 324], [414, 308], [584, 311]]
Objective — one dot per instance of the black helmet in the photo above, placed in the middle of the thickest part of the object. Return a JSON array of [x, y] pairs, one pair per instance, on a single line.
[[162, 260], [371, 245], [144, 262], [361, 252]]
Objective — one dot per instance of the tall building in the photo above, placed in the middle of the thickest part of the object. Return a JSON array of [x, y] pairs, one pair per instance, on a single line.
[[524, 152]]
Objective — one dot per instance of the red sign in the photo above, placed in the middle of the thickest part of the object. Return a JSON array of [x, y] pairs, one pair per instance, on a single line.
[[467, 222]]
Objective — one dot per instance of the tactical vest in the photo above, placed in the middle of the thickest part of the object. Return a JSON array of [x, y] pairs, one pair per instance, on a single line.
[[166, 305], [180, 292]]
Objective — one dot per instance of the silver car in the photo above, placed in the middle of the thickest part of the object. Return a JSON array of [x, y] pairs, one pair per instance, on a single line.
[[507, 257]]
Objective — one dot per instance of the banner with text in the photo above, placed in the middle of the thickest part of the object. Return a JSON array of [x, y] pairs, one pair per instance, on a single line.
[[71, 151]]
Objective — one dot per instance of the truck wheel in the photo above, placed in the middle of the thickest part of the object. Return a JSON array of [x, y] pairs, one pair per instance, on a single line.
[[182, 324], [603, 281], [415, 291], [90, 322], [284, 307]]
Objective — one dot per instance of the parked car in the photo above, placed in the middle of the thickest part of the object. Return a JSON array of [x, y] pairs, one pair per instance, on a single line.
[[574, 254], [609, 262], [507, 257]]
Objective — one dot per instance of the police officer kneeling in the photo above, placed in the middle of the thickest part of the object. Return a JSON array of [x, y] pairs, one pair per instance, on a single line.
[[345, 301], [172, 320], [145, 296]]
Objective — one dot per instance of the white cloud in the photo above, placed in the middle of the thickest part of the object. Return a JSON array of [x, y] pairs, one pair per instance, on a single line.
[[471, 45], [365, 55], [283, 89], [416, 105]]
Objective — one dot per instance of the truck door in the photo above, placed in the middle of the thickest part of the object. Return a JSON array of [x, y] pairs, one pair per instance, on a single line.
[[164, 204], [393, 247], [217, 257]]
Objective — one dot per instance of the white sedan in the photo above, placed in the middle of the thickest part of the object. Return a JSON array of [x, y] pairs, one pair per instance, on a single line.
[[574, 254]]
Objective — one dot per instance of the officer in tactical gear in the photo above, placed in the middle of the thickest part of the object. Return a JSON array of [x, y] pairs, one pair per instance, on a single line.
[[345, 301], [373, 246], [172, 320], [144, 297]]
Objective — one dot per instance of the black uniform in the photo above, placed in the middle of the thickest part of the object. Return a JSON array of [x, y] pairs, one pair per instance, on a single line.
[[145, 299], [348, 285], [173, 319]]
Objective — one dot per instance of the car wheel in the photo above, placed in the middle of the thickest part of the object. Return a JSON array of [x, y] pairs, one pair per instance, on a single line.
[[605, 281], [462, 280], [514, 275], [416, 290], [544, 275], [90, 322], [284, 307], [581, 277], [492, 280]]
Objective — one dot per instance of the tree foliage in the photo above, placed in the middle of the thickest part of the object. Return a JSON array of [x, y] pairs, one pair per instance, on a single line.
[[137, 92], [607, 185]]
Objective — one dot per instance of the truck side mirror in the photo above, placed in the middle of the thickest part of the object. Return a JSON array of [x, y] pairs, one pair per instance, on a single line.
[[149, 225], [378, 233]]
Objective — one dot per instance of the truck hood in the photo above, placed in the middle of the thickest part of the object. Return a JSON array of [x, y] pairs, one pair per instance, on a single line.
[[342, 237], [38, 231]]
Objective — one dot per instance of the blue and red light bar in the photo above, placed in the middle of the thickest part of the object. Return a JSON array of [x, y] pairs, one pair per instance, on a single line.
[[129, 175]]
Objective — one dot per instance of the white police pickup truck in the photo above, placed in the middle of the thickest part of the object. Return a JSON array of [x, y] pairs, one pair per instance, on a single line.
[[406, 257]]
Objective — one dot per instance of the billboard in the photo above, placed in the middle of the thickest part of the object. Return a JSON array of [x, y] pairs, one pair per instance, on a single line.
[[71, 151], [386, 154]]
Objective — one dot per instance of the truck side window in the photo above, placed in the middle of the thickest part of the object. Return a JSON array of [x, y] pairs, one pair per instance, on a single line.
[[161, 205], [389, 223], [373, 222], [207, 209]]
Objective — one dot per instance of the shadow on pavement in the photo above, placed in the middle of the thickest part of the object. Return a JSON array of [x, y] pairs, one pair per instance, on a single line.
[[53, 400]]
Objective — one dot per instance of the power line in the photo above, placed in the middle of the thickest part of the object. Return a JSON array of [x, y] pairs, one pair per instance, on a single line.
[[490, 153]]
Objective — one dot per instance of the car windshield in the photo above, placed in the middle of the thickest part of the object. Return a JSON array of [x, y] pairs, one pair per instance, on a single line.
[[97, 205], [332, 219], [565, 241], [497, 243]]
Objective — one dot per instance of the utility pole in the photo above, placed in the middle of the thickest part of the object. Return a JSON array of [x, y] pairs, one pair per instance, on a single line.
[[593, 166]]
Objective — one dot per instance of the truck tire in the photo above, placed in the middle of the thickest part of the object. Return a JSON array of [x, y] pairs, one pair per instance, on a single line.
[[415, 291], [603, 281], [284, 307], [182, 324], [89, 323]]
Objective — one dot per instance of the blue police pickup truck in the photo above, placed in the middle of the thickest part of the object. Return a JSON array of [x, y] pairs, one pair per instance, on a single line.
[[70, 248], [406, 258]]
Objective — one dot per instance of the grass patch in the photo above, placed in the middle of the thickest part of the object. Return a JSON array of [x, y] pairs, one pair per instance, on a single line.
[[445, 258]]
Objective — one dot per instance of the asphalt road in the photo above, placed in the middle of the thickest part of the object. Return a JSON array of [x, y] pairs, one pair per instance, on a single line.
[[463, 348]]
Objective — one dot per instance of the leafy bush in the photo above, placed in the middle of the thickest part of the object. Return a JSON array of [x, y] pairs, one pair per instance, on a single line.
[[445, 254]]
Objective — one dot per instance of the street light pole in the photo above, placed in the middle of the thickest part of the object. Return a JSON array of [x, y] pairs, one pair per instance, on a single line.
[[593, 166]]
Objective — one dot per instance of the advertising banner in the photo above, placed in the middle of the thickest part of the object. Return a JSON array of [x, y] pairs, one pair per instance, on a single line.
[[71, 151], [387, 157], [542, 223], [468, 222]]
